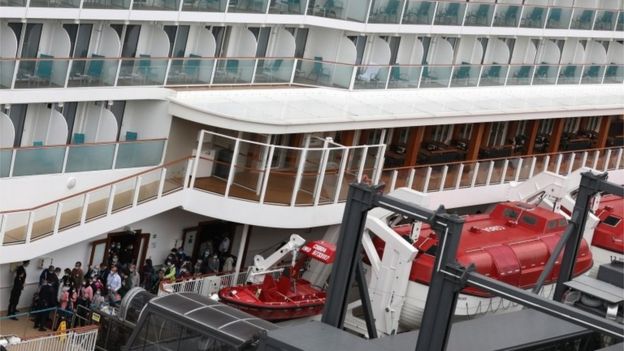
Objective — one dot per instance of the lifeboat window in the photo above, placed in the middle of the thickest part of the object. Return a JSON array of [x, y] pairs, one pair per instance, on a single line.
[[563, 222], [510, 213], [528, 219], [612, 221], [553, 224]]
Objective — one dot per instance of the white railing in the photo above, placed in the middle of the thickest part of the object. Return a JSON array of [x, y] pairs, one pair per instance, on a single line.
[[74, 340]]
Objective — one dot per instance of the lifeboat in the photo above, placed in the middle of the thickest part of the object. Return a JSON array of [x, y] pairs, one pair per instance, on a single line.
[[608, 239], [511, 243], [288, 296]]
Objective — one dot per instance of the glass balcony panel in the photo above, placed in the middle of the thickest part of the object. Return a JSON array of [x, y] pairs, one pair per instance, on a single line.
[[5, 162], [139, 153], [484, 168], [614, 74], [385, 11], [404, 76], [7, 67], [317, 72], [282, 178], [582, 18], [371, 77], [613, 158], [214, 167], [533, 17], [592, 74], [249, 171], [162, 5], [274, 71], [43, 222], [352, 10], [418, 183], [234, 71], [435, 179], [435, 76], [90, 157], [493, 75], [605, 20], [451, 176], [93, 72], [292, 7], [497, 172], [307, 188], [620, 22], [150, 182], [450, 13], [106, 4], [512, 166], [204, 5], [55, 3], [520, 74], [143, 71], [479, 15], [525, 169], [193, 70], [559, 17], [466, 75], [174, 179], [46, 72], [12, 3], [71, 211], [251, 6], [15, 227], [124, 194], [330, 179], [419, 12], [38, 160], [98, 203], [507, 15], [467, 174], [545, 74], [569, 74]]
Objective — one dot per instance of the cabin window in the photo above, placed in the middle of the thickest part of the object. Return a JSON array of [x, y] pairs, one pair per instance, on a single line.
[[553, 224], [612, 221], [528, 219], [563, 222], [510, 213]]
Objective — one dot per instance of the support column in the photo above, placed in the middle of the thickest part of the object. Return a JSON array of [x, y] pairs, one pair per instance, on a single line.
[[603, 132], [364, 137], [532, 130], [512, 130], [242, 249], [291, 156], [478, 131], [555, 136], [347, 137], [415, 139]]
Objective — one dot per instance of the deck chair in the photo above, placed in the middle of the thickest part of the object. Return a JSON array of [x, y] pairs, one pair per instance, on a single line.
[[79, 138], [605, 22], [494, 72], [317, 69], [480, 16], [131, 136], [592, 72], [144, 69], [568, 72], [94, 71], [535, 19], [392, 10], [523, 72], [43, 72], [450, 15], [584, 21], [191, 67], [542, 72], [511, 16], [272, 69], [554, 19]]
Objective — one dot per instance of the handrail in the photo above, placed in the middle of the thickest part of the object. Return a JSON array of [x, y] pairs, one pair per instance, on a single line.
[[98, 187], [82, 144]]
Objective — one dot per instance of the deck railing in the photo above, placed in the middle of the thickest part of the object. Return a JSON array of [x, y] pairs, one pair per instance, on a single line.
[[79, 339], [210, 71]]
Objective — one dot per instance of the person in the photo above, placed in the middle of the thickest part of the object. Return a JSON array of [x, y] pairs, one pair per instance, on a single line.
[[67, 279], [156, 283], [55, 281], [85, 296], [98, 300], [228, 265], [18, 286], [77, 275], [135, 279], [43, 277], [104, 271], [224, 246], [214, 263], [170, 273], [113, 284], [47, 299], [148, 274]]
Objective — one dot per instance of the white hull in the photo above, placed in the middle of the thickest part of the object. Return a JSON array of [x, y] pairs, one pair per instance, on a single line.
[[600, 257]]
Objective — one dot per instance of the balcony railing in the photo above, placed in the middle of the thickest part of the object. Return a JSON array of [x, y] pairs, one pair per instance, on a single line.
[[449, 13], [35, 160], [210, 71]]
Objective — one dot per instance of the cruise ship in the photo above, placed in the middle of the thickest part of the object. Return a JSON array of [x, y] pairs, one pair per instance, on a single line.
[[137, 126]]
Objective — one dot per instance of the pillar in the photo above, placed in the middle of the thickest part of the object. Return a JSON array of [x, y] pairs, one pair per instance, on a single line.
[[532, 130], [603, 132], [555, 136], [475, 142], [415, 139]]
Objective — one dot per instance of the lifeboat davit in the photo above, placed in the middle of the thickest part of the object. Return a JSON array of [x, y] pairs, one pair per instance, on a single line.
[[511, 243], [287, 297], [608, 240]]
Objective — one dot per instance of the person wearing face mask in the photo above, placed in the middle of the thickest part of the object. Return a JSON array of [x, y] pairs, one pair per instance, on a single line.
[[98, 300], [135, 278], [148, 274], [170, 273], [85, 296], [77, 275]]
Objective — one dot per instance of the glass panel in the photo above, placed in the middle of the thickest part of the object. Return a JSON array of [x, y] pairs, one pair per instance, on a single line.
[[419, 12], [257, 6], [36, 160], [90, 157], [12, 2], [6, 73], [353, 10], [404, 77], [592, 74], [72, 210], [214, 166], [310, 174], [166, 5], [143, 71], [322, 73], [435, 178], [620, 22], [293, 7], [283, 173], [466, 75], [582, 18], [330, 180], [402, 177], [479, 15], [533, 17], [124, 194], [520, 75], [204, 5], [545, 74], [43, 224], [98, 202], [139, 153], [106, 4], [435, 76], [614, 74], [497, 172], [149, 185], [54, 3], [234, 71], [93, 72], [5, 162], [525, 169], [507, 15], [493, 75], [512, 168], [420, 173], [484, 168], [15, 227], [559, 18], [191, 70], [249, 171], [605, 20], [570, 74], [451, 176], [274, 71], [385, 11], [450, 13], [45, 72], [371, 77], [174, 180]]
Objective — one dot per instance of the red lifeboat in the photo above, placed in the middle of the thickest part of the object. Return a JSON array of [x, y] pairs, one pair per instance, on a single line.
[[512, 243], [609, 233], [288, 297]]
